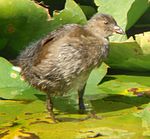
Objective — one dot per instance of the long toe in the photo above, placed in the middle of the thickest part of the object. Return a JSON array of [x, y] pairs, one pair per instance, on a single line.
[[94, 116], [91, 115], [82, 111], [53, 119]]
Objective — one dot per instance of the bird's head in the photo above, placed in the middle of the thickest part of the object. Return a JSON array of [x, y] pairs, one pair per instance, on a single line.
[[103, 25]]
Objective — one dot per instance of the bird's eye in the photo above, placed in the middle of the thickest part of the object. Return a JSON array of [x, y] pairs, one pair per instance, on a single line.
[[105, 22]]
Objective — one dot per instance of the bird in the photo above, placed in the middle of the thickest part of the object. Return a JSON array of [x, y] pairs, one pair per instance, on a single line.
[[62, 60]]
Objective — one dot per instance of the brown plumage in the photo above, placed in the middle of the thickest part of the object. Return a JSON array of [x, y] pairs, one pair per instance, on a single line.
[[62, 61]]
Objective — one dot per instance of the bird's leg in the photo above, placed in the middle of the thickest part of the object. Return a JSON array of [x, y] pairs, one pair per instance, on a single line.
[[50, 107], [81, 101], [82, 109]]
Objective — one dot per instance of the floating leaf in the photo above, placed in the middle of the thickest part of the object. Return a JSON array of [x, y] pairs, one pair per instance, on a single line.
[[129, 13], [105, 133], [127, 16], [137, 53], [27, 21], [12, 85], [116, 98], [145, 116], [68, 15], [20, 22], [95, 78]]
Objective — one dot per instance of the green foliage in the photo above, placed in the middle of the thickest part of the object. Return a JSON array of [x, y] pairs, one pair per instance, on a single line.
[[95, 77], [125, 12], [121, 99], [116, 99], [20, 23], [68, 15], [12, 85], [145, 116], [27, 21], [137, 53], [137, 50]]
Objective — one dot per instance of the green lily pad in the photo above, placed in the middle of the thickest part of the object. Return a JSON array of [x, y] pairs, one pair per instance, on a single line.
[[68, 15], [89, 11], [18, 23], [137, 53], [118, 107], [105, 133], [27, 21], [95, 77], [145, 116], [32, 118], [122, 100], [12, 86], [126, 12]]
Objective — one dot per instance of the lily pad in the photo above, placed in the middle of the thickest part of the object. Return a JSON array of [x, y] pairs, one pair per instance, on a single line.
[[118, 107], [95, 77], [122, 100], [145, 116], [12, 85], [137, 53], [127, 13], [18, 23], [27, 21]]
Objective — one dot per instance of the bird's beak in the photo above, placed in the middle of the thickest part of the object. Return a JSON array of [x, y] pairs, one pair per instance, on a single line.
[[118, 30]]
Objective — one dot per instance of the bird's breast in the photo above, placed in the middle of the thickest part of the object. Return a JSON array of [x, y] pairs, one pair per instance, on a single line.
[[104, 51]]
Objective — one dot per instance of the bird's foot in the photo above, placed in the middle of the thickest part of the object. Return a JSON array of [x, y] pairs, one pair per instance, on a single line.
[[51, 116], [82, 111], [53, 119], [91, 115]]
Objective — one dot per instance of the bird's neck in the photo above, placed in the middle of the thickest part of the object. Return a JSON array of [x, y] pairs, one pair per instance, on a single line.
[[97, 32]]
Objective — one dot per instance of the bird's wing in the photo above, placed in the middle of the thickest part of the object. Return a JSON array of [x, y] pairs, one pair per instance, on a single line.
[[67, 62], [74, 55], [57, 34], [33, 53]]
